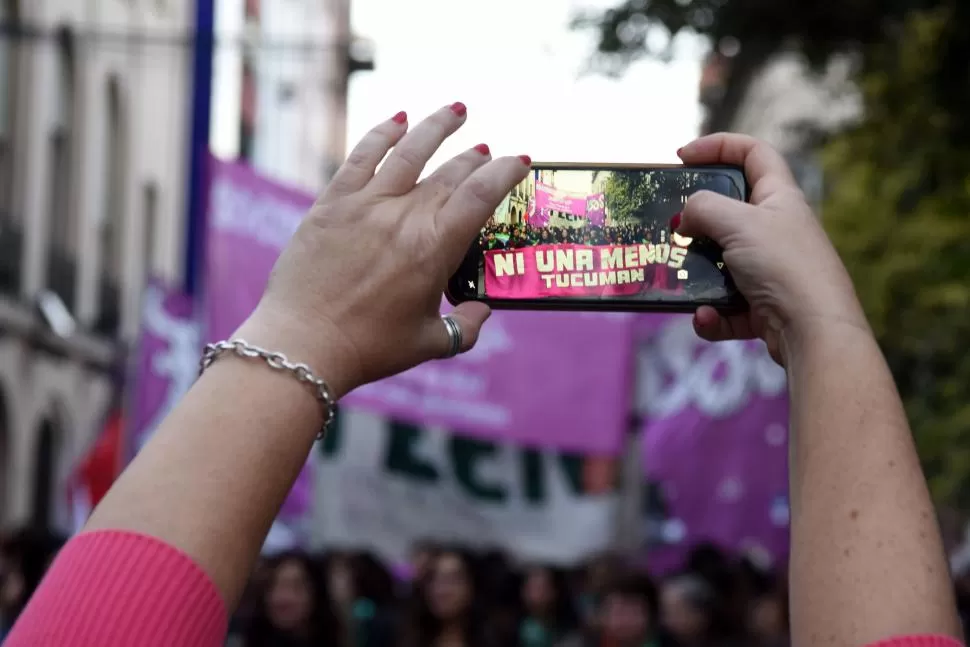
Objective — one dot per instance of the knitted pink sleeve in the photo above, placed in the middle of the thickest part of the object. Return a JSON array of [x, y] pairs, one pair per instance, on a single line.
[[918, 641], [120, 589]]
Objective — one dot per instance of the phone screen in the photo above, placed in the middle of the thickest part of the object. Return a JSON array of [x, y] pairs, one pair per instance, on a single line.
[[570, 235]]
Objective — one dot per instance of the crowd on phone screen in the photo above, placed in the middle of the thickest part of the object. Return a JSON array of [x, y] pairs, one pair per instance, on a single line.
[[514, 236], [458, 598]]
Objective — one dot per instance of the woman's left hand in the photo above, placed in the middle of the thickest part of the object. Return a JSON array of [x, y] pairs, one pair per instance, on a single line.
[[356, 293]]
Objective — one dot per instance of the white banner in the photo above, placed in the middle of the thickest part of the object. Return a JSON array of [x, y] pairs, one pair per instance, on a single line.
[[386, 486]]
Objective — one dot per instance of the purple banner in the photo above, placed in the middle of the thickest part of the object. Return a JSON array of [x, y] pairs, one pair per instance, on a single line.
[[167, 360], [250, 220], [544, 379], [715, 444], [555, 380], [551, 199], [167, 364], [596, 209]]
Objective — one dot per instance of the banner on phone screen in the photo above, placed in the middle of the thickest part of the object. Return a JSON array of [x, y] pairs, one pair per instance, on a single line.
[[569, 270], [589, 208]]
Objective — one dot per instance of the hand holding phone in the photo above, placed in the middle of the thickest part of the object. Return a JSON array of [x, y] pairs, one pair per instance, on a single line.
[[598, 237]]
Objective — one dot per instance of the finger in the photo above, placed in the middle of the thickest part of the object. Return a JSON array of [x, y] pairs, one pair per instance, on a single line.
[[450, 175], [712, 215], [462, 217], [408, 159], [765, 169], [354, 174], [710, 325], [469, 316]]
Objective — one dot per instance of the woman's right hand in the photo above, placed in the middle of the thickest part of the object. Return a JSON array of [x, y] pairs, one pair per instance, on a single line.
[[778, 254]]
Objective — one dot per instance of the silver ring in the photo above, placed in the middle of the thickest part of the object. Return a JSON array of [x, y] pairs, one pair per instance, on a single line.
[[454, 335]]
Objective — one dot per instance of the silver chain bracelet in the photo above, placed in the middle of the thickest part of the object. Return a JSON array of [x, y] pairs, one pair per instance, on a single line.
[[277, 362]]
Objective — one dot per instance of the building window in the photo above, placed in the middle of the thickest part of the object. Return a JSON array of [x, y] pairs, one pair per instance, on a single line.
[[9, 45], [149, 233], [62, 256], [5, 467], [113, 208], [11, 232], [45, 472]]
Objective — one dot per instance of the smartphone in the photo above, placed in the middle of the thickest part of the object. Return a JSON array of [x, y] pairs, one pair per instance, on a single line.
[[597, 237]]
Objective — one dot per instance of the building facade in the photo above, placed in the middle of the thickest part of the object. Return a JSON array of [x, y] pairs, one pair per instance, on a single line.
[[786, 104], [281, 76], [93, 155]]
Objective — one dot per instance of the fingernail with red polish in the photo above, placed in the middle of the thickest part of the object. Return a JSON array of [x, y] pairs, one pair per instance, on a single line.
[[525, 159], [459, 108], [483, 149], [675, 221], [400, 117]]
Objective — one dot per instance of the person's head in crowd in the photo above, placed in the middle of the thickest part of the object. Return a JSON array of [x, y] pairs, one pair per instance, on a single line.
[[338, 569], [723, 573], [295, 606], [601, 571], [550, 613], [767, 617], [448, 607], [24, 558], [372, 579], [421, 558], [688, 608], [629, 612]]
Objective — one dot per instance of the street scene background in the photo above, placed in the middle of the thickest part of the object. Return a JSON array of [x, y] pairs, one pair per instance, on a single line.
[[577, 479]]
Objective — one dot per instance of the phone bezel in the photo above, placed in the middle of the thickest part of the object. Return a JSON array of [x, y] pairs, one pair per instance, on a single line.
[[736, 303]]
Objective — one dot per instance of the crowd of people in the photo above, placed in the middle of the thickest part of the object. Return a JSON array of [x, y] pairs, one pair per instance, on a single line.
[[523, 234], [457, 598]]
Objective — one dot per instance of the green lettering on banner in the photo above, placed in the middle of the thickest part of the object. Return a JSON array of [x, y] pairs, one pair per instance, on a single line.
[[401, 457], [467, 455], [533, 476], [332, 440], [572, 468]]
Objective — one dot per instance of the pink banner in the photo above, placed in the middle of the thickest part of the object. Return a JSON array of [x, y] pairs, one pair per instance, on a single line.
[[591, 208], [715, 444], [553, 380], [570, 270], [551, 199]]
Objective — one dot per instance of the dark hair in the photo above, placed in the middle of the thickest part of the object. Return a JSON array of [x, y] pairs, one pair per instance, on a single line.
[[639, 587], [697, 591], [776, 590], [324, 624], [30, 552], [372, 580], [422, 628], [565, 614]]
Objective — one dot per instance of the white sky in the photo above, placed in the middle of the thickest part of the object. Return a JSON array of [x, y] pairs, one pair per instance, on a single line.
[[517, 66]]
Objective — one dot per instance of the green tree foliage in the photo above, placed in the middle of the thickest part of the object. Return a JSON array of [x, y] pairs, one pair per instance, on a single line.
[[628, 194], [898, 203], [899, 212]]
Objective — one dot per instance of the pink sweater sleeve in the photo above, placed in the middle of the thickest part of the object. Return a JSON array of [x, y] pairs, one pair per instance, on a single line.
[[121, 589], [918, 641]]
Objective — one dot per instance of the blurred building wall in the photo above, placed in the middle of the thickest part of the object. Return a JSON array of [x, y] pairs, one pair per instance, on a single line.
[[286, 87], [788, 105], [95, 101]]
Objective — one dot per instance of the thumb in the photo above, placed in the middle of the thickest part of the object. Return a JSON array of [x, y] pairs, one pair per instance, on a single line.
[[712, 215], [469, 317]]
